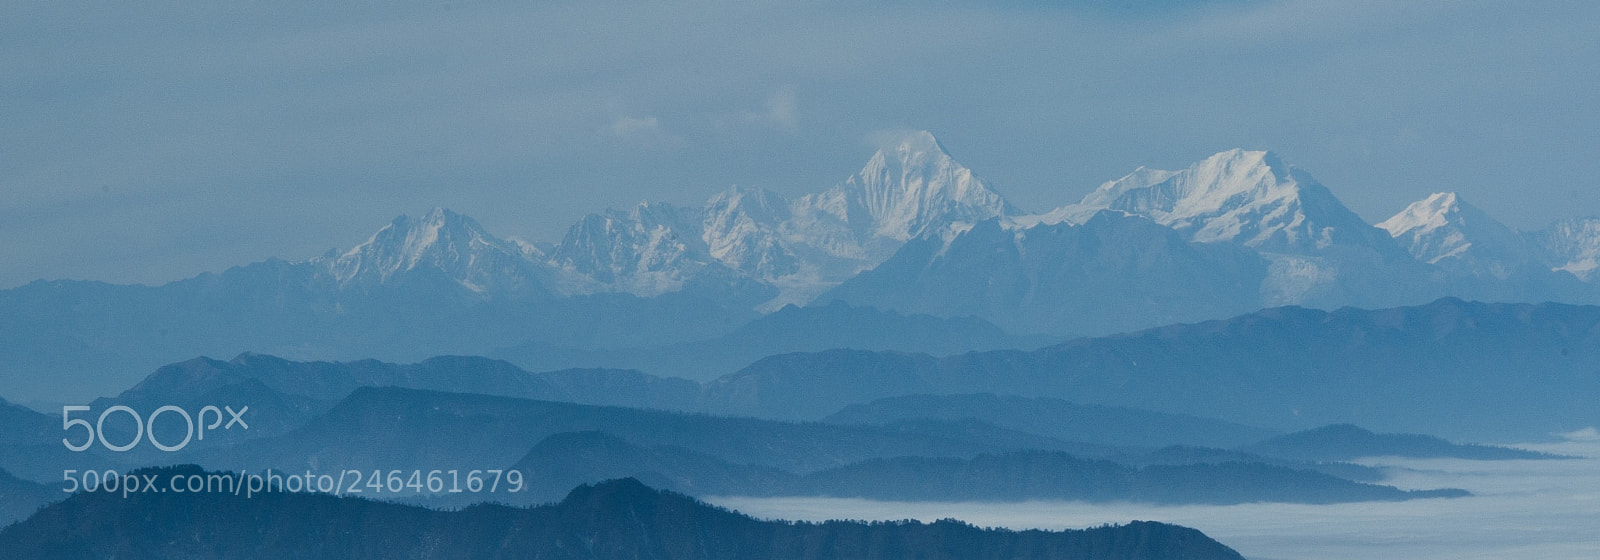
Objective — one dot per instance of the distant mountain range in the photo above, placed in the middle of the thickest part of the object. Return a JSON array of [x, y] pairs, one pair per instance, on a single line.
[[20, 498], [615, 519], [791, 329], [1063, 420], [1344, 442], [567, 444], [1474, 371], [913, 231], [349, 423], [285, 395], [906, 334], [563, 460], [911, 188], [1113, 273], [1524, 371], [1035, 475], [30, 446], [413, 427], [1320, 252], [75, 341]]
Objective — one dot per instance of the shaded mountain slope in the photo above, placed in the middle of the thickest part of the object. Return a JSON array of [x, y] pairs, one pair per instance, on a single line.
[[20, 498], [31, 449], [404, 428]]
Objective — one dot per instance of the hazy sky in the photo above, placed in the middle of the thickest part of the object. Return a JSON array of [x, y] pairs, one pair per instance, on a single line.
[[149, 141]]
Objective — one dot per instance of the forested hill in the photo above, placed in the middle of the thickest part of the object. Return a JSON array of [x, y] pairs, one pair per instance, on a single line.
[[614, 519]]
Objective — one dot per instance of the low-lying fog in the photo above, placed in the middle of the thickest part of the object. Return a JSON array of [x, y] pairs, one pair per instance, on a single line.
[[1521, 509]]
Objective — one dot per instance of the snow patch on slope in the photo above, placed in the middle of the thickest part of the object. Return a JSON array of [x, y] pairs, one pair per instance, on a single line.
[[1572, 246]]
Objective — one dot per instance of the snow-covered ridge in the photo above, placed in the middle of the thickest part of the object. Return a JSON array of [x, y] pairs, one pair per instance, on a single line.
[[1445, 230], [1571, 245], [750, 240], [1424, 215], [1442, 227], [441, 241], [1248, 197], [908, 189]]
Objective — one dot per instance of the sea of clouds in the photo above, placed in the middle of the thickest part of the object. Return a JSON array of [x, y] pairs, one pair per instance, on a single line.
[[1520, 509]]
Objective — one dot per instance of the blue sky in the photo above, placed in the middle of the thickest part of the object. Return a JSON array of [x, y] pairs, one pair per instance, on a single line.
[[150, 141]]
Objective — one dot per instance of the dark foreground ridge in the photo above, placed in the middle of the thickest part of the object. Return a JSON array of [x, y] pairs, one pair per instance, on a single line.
[[614, 519]]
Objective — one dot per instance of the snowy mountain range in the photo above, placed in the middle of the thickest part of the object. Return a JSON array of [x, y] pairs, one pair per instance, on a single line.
[[1471, 247], [749, 243], [913, 231], [756, 249], [909, 189], [1321, 253], [447, 243], [1065, 270]]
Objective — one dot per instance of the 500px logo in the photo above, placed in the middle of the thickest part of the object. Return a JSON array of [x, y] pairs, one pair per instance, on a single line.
[[145, 426]]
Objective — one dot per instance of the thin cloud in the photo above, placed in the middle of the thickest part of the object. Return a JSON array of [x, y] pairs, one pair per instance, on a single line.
[[781, 112], [631, 128]]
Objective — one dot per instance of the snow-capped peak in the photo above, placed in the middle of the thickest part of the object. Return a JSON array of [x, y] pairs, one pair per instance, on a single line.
[[406, 242], [1424, 215], [652, 248], [441, 241], [1245, 196], [910, 186], [757, 204], [1100, 199], [740, 228], [1223, 183], [1443, 227]]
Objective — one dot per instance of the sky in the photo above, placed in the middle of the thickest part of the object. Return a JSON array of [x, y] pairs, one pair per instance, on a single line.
[[144, 142]]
